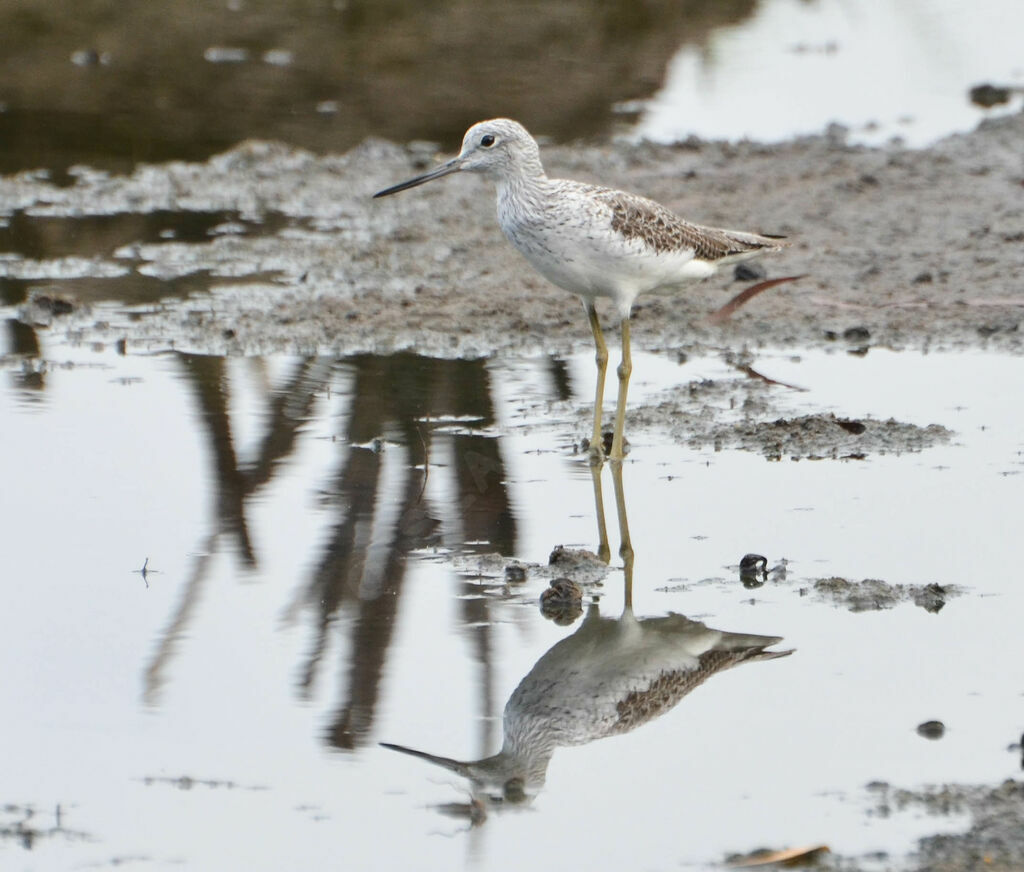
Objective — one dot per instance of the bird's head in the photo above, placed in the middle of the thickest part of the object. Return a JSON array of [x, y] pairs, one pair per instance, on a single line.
[[497, 148]]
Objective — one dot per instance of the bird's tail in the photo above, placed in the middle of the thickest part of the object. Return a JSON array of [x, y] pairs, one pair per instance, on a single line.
[[743, 245]]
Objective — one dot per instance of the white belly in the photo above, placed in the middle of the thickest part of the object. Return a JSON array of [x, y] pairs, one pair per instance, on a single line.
[[603, 264]]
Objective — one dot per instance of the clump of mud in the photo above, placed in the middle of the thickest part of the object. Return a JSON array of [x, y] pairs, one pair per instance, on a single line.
[[991, 842], [816, 437], [872, 594], [28, 826], [577, 565], [744, 414]]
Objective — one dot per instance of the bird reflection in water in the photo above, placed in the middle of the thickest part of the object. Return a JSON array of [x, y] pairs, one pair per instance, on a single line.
[[609, 677]]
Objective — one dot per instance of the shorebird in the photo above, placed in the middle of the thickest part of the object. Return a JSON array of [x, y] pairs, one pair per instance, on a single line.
[[592, 241]]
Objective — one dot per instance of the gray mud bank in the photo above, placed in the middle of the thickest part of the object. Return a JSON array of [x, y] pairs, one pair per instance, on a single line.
[[901, 248]]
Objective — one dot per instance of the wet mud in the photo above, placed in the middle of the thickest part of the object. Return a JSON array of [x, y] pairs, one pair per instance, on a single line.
[[744, 414], [902, 249], [992, 839], [872, 594]]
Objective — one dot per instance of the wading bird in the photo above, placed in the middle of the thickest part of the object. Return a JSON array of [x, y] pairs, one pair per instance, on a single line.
[[592, 241]]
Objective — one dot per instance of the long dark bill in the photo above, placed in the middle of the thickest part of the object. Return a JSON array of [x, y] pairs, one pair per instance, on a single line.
[[447, 762], [453, 166]]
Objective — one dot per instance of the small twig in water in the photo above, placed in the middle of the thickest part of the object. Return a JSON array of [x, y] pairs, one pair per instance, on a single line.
[[145, 572]]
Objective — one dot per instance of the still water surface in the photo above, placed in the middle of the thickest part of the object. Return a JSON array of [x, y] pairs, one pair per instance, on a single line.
[[313, 528], [86, 84]]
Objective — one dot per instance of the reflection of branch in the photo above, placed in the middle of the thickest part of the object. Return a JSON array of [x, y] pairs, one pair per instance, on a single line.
[[559, 373], [290, 409], [207, 376], [337, 575], [154, 673], [380, 518], [363, 565], [374, 624], [483, 504]]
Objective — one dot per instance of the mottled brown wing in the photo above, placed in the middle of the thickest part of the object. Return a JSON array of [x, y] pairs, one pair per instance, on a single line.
[[667, 689], [664, 231]]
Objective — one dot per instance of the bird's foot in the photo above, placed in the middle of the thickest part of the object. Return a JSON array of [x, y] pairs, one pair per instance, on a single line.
[[598, 451]]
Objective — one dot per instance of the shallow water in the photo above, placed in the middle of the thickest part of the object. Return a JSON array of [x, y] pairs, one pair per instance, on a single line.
[[314, 587], [110, 89], [884, 69]]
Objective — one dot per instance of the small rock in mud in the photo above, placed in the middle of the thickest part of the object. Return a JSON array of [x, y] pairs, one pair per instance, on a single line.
[[988, 95], [753, 570], [986, 330], [89, 57], [515, 573], [749, 272], [872, 594], [931, 729], [856, 334], [854, 427]]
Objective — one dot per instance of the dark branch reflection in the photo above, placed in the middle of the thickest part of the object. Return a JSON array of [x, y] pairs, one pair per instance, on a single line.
[[402, 410], [609, 677], [22, 342], [207, 378]]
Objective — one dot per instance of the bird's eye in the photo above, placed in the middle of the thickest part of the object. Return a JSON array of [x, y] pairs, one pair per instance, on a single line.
[[487, 140]]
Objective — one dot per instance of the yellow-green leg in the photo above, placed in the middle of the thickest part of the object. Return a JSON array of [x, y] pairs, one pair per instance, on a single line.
[[604, 550], [601, 357], [624, 371], [625, 542]]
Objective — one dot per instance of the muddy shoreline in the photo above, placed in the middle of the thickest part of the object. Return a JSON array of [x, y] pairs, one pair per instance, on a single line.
[[902, 249]]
